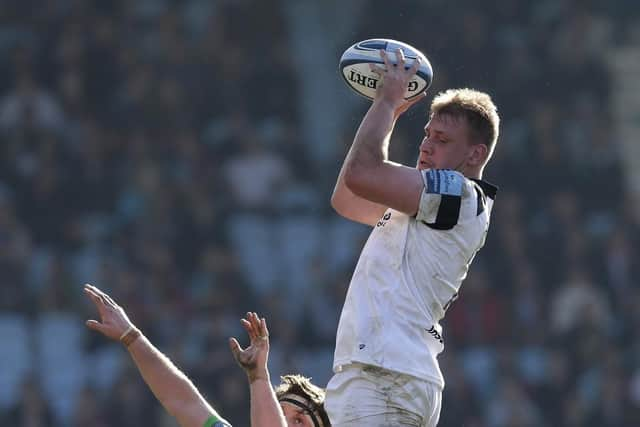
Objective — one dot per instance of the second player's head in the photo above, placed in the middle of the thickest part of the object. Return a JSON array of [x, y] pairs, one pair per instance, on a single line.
[[302, 402], [462, 132]]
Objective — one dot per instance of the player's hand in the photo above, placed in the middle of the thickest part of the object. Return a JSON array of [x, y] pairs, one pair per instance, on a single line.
[[253, 359], [113, 320], [394, 80]]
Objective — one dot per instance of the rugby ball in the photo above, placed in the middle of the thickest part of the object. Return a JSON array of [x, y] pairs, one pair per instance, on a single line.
[[354, 66]]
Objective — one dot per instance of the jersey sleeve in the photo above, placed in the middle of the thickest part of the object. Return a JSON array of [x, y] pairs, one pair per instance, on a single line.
[[214, 421], [441, 198]]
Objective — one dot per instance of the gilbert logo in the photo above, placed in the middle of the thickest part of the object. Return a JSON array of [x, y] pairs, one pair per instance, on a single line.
[[384, 219], [372, 82], [362, 80]]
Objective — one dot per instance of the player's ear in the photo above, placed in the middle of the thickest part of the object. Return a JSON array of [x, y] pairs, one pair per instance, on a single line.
[[478, 154]]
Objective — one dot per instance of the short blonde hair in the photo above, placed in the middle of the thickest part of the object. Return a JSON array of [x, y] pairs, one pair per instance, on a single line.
[[476, 107]]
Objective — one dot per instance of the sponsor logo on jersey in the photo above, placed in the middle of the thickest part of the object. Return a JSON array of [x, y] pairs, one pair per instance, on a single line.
[[383, 221], [435, 334]]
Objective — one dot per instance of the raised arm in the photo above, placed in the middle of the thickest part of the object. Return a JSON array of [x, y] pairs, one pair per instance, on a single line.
[[367, 171], [265, 409], [353, 207], [171, 387]]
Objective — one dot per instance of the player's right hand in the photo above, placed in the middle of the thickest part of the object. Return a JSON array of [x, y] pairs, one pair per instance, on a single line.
[[253, 359], [394, 81], [113, 320]]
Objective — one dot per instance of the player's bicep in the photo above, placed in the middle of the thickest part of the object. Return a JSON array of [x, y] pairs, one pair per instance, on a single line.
[[354, 207], [390, 184], [441, 199]]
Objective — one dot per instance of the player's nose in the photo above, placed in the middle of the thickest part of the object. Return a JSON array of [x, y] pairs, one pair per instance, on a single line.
[[426, 146]]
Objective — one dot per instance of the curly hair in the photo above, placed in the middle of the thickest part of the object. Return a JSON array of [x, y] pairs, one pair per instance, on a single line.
[[300, 391]]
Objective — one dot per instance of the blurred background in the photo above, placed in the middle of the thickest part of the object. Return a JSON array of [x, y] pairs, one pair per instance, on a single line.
[[181, 155]]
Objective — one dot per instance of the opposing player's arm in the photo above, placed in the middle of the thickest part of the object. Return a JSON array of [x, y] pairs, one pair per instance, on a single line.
[[265, 409], [172, 388]]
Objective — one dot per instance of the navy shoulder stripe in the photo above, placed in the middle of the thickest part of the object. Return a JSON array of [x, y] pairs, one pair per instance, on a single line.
[[479, 201], [448, 213], [489, 189]]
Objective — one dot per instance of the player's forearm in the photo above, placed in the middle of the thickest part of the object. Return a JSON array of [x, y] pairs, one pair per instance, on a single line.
[[350, 205], [265, 409], [172, 388], [370, 147]]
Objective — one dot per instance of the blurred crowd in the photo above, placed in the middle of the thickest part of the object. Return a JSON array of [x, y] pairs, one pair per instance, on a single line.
[[156, 149]]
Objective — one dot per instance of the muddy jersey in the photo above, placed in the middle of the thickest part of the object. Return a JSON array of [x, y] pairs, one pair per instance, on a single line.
[[409, 272]]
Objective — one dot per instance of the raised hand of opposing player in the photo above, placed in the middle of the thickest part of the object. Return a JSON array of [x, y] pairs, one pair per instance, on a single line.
[[114, 322], [253, 359], [394, 79]]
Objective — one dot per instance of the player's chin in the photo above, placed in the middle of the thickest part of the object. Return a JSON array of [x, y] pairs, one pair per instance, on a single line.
[[423, 165]]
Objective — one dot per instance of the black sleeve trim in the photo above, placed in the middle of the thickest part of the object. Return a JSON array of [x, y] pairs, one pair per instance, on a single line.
[[489, 189], [480, 201], [448, 213]]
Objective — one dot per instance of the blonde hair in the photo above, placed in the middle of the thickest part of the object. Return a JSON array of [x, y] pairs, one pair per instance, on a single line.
[[476, 107]]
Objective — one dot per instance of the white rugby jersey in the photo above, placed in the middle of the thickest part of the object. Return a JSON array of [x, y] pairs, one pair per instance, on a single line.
[[409, 272]]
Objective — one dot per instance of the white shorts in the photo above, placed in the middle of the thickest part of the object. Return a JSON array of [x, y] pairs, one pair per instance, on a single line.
[[363, 395]]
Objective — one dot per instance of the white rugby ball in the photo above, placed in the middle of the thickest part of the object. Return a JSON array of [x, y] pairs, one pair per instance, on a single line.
[[354, 66]]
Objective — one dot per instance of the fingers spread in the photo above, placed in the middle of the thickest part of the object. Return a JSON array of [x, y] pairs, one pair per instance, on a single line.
[[252, 319], [95, 325], [255, 327], [92, 289], [234, 345], [247, 326], [96, 294], [88, 289], [377, 69], [415, 66], [385, 58], [91, 295], [106, 299], [255, 322], [236, 350], [400, 56], [263, 328], [110, 301], [96, 300]]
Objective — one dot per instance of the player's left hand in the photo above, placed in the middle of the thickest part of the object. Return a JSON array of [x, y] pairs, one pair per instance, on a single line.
[[113, 320], [394, 81], [253, 359]]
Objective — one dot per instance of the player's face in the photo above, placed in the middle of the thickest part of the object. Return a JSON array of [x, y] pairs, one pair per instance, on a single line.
[[446, 144], [295, 416]]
